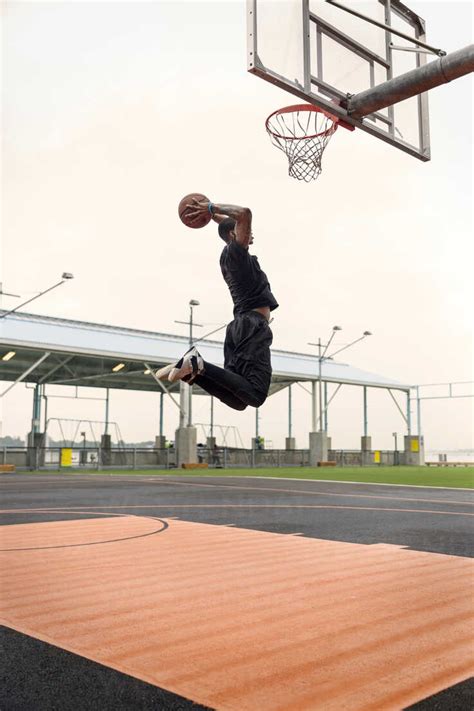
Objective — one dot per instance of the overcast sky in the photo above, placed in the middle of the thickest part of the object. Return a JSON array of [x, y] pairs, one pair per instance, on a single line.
[[113, 111]]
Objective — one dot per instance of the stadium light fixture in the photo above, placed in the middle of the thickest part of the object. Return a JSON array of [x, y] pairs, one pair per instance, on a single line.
[[9, 355], [118, 367]]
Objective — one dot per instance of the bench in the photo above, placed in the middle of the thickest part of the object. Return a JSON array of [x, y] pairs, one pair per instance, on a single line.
[[326, 464], [195, 465], [449, 464], [7, 468]]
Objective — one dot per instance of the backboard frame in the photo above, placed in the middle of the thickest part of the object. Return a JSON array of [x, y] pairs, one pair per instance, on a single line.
[[329, 97]]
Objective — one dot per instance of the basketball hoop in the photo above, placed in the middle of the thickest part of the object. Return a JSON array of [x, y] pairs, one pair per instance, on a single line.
[[303, 132]]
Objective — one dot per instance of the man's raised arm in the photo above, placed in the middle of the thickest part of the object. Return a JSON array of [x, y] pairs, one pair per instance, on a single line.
[[219, 211]]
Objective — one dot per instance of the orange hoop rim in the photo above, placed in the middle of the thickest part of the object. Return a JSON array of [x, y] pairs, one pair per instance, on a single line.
[[306, 107]]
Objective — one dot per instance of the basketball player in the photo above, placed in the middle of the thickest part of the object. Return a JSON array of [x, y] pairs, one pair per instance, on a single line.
[[245, 378]]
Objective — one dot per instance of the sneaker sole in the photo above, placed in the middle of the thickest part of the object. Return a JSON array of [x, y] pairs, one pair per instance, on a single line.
[[178, 373]]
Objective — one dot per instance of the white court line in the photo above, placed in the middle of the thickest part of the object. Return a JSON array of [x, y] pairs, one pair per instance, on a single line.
[[366, 483]]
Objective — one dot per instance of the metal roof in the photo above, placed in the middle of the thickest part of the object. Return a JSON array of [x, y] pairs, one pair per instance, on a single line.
[[83, 354]]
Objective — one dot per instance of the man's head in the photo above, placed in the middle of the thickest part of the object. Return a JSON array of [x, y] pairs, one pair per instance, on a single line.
[[227, 229]]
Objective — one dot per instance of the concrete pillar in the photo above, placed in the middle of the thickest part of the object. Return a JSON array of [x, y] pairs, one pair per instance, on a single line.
[[290, 443], [183, 404], [105, 449], [36, 418], [160, 441], [414, 447], [318, 448], [35, 442], [186, 445], [366, 450], [211, 442]]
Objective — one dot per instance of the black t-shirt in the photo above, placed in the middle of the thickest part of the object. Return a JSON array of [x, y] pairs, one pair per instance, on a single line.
[[248, 285]]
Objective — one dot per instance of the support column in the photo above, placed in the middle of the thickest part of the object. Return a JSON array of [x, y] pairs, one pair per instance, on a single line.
[[366, 440], [160, 440], [418, 411], [314, 407], [257, 441], [107, 402], [408, 413], [365, 412], [162, 397], [325, 407], [212, 457], [290, 442], [366, 450], [186, 445], [318, 440], [106, 449], [211, 433], [183, 404], [35, 438], [318, 448], [414, 447]]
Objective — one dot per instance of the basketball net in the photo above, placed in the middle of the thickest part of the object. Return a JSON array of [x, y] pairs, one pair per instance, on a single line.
[[302, 132]]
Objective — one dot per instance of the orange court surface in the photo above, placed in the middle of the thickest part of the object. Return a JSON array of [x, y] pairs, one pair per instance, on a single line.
[[236, 618]]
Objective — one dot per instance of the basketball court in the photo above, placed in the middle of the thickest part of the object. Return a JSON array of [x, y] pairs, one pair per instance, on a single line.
[[238, 595], [182, 592]]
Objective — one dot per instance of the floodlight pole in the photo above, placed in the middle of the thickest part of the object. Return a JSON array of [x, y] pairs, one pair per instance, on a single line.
[[323, 357], [417, 81], [320, 387], [65, 277], [182, 386]]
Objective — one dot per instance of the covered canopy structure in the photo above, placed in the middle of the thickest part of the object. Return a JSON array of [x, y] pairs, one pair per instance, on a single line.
[[53, 351], [63, 352]]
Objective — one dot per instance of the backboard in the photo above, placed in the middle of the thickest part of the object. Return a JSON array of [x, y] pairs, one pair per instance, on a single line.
[[320, 52]]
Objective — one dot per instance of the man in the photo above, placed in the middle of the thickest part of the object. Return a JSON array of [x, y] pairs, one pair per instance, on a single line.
[[245, 378]]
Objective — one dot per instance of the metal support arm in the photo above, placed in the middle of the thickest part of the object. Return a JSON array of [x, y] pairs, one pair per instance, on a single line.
[[417, 81], [27, 372]]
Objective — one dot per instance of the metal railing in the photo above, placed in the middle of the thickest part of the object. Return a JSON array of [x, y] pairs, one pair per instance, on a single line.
[[126, 458]]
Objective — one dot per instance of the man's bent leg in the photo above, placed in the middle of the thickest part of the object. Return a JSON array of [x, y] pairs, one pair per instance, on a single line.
[[225, 395], [236, 386]]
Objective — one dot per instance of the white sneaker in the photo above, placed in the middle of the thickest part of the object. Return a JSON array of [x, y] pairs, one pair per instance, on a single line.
[[163, 372], [191, 364]]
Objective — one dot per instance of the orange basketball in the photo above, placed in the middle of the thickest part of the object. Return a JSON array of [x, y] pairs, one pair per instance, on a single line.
[[184, 206]]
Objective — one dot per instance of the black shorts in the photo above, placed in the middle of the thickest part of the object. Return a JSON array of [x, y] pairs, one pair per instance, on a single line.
[[247, 349]]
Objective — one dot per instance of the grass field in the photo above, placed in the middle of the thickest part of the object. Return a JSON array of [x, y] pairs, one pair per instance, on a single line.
[[457, 477]]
